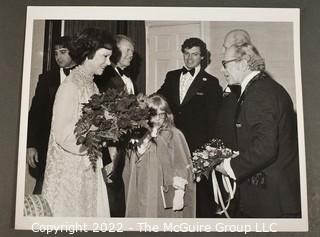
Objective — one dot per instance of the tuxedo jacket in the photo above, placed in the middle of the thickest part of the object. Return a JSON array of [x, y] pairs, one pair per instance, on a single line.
[[110, 79], [40, 116], [225, 128], [197, 113], [268, 144]]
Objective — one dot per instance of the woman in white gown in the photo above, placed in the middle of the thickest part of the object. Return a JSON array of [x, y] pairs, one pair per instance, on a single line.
[[71, 186]]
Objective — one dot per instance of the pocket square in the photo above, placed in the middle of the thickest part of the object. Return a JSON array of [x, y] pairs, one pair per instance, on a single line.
[[199, 93]]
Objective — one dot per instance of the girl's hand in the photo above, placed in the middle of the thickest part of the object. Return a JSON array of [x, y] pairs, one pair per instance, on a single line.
[[143, 147], [178, 202], [154, 131]]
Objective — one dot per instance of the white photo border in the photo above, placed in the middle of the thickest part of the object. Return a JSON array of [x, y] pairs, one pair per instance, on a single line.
[[157, 224]]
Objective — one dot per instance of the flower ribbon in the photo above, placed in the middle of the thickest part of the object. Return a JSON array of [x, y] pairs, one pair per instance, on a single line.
[[217, 192]]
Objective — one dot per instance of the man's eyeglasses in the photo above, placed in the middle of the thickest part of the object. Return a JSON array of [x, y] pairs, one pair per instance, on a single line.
[[225, 62]]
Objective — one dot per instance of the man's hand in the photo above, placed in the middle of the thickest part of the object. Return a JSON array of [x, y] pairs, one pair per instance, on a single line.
[[32, 157]]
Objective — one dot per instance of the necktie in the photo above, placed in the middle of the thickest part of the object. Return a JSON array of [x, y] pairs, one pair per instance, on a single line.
[[185, 70], [236, 89], [66, 71]]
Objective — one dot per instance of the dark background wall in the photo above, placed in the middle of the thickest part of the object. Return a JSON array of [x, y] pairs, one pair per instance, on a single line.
[[12, 25]]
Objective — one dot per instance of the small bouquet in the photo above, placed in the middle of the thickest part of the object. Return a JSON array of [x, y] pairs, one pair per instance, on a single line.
[[110, 117], [205, 158]]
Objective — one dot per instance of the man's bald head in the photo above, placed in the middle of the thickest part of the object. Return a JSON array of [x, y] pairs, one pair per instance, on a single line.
[[236, 37]]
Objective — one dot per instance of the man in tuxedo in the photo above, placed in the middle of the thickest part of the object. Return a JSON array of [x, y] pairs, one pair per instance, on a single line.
[[194, 97], [40, 114], [116, 76], [267, 168]]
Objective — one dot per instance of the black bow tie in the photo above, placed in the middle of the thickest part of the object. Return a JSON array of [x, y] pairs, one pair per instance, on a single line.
[[66, 71], [122, 72], [191, 71]]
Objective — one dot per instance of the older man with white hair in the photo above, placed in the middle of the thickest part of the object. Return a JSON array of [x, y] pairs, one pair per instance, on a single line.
[[267, 168]]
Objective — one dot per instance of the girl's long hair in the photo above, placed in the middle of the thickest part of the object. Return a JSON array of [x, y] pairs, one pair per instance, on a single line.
[[159, 104]]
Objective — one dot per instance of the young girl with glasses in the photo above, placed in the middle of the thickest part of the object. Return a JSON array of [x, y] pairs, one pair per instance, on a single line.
[[161, 165]]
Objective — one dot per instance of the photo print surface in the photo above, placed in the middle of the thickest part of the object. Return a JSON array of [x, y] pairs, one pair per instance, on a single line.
[[217, 93]]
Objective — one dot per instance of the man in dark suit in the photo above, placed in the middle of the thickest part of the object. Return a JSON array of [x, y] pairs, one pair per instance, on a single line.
[[267, 168], [225, 128], [40, 114], [115, 76], [194, 97]]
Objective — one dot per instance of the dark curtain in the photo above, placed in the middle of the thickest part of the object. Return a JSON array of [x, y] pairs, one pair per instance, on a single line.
[[134, 29], [51, 33]]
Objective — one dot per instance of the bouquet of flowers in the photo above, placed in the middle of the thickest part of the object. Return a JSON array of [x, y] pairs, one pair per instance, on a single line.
[[205, 158], [110, 117]]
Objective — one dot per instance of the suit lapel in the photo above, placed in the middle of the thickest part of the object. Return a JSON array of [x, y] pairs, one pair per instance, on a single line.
[[243, 95], [194, 87], [117, 80], [176, 87], [53, 82]]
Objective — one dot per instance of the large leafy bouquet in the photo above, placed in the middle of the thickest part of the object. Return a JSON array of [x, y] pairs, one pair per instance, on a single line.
[[205, 158], [110, 117]]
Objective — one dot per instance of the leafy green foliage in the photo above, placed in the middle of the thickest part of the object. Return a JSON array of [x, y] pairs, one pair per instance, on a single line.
[[110, 117]]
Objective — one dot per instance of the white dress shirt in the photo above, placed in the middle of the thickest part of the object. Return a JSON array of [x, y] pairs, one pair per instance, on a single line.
[[226, 162], [185, 82], [127, 81], [62, 75]]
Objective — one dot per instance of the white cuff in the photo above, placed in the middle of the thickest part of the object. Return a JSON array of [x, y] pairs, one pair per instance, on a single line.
[[179, 183], [228, 169]]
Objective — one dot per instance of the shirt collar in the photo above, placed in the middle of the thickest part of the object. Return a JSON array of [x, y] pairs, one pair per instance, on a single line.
[[116, 69], [247, 79]]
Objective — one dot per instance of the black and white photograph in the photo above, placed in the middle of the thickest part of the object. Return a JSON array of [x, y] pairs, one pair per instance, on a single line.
[[161, 119]]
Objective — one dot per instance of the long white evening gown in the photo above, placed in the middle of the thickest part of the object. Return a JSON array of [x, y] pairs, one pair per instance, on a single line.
[[71, 187]]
